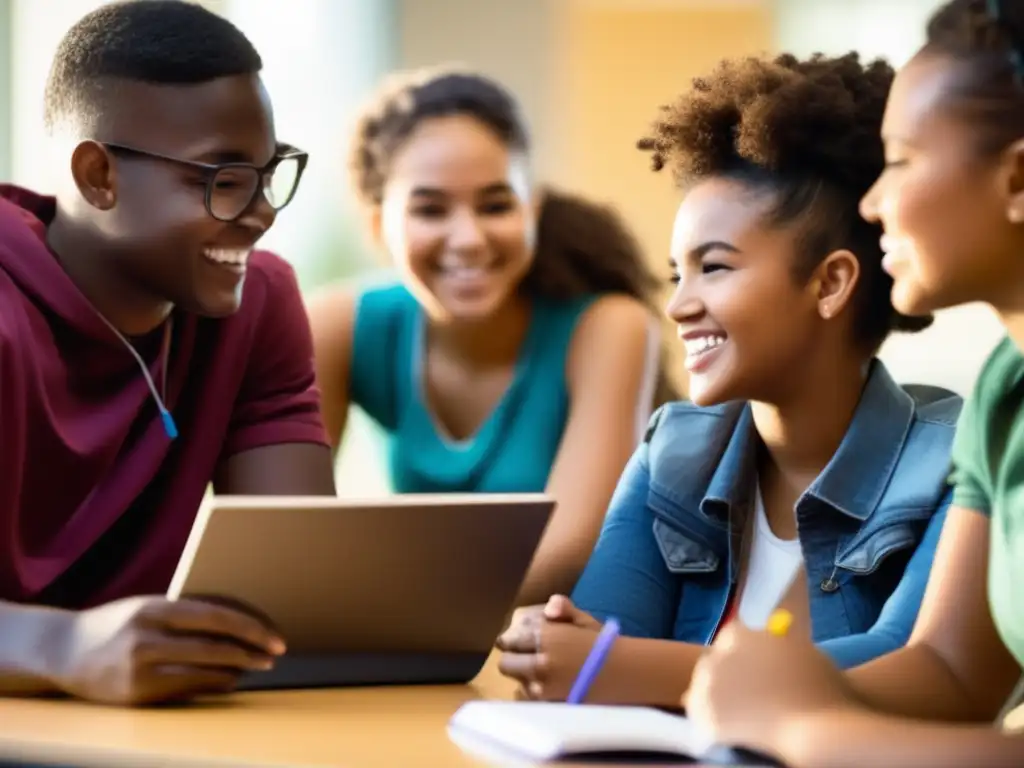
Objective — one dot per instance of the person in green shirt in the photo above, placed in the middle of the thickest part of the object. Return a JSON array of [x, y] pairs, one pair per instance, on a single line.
[[951, 200]]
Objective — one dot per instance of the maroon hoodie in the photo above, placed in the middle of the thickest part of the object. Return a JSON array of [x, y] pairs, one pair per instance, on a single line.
[[96, 501]]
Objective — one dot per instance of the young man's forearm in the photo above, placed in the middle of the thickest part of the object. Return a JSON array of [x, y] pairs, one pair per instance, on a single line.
[[30, 636], [854, 739], [647, 672]]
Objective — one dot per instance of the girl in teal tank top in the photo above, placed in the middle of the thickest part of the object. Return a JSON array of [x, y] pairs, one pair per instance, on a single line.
[[951, 201], [518, 350]]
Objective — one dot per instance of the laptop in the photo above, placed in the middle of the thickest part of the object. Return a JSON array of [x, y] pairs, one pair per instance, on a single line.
[[410, 589]]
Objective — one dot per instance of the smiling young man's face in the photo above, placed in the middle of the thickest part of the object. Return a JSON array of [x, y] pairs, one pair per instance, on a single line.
[[166, 243]]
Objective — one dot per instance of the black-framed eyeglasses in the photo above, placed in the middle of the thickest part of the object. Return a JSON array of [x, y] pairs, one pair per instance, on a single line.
[[995, 11], [232, 188]]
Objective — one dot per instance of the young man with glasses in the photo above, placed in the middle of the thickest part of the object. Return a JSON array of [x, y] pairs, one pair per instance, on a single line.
[[146, 350]]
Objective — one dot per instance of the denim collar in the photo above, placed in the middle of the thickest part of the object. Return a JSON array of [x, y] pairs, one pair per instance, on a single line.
[[857, 475]]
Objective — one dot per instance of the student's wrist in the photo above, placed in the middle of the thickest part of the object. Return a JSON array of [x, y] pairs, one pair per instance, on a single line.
[[57, 638], [53, 633], [638, 666], [35, 648]]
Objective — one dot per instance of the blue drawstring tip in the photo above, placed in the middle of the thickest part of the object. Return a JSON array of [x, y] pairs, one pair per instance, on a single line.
[[169, 426]]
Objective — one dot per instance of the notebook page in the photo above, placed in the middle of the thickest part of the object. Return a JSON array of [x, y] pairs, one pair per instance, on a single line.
[[545, 730]]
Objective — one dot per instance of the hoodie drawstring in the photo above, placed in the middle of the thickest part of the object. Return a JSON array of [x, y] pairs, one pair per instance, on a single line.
[[170, 428]]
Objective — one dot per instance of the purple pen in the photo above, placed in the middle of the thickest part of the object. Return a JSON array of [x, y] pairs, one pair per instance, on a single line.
[[595, 660]]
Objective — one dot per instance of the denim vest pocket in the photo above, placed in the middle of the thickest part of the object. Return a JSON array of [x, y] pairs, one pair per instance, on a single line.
[[681, 553], [897, 531], [685, 539]]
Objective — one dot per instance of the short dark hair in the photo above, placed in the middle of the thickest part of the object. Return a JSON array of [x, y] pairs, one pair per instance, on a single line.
[[406, 99], [169, 42], [809, 132], [990, 53]]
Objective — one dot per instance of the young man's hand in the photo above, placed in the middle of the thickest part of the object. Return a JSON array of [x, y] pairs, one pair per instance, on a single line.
[[148, 650]]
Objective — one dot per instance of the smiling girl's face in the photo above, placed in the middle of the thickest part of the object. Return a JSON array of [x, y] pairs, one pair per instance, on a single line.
[[745, 319], [945, 205], [457, 218]]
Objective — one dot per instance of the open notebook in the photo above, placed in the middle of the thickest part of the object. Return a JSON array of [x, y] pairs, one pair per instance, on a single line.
[[551, 731]]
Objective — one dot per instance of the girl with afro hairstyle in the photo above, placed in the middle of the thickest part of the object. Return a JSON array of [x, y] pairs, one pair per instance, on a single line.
[[800, 474], [518, 352], [951, 200]]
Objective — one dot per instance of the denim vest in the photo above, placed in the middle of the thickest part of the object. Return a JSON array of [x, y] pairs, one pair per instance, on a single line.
[[667, 557]]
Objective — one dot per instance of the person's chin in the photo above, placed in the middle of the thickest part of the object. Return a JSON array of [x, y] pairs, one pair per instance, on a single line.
[[704, 390], [473, 308], [218, 306], [910, 298]]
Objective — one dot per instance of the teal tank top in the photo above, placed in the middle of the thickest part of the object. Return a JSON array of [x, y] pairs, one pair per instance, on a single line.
[[514, 448]]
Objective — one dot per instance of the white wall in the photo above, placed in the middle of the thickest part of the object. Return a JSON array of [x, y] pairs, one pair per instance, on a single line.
[[36, 30], [6, 60], [890, 28], [515, 41], [953, 349], [321, 58]]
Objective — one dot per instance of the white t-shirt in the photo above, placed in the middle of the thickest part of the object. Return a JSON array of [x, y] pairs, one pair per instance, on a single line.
[[771, 568]]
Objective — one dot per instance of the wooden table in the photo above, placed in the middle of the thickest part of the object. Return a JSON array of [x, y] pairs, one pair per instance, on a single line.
[[349, 728]]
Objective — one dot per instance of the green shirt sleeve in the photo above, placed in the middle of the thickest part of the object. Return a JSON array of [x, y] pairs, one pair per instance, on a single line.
[[999, 418], [975, 455], [970, 489]]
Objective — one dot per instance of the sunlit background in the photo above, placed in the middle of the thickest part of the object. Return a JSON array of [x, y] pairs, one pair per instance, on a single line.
[[590, 74]]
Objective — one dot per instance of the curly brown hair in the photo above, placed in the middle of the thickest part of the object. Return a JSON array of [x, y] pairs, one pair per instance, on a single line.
[[582, 247], [987, 41], [807, 131]]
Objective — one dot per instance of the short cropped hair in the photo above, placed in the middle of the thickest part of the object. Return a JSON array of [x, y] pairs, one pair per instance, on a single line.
[[168, 42]]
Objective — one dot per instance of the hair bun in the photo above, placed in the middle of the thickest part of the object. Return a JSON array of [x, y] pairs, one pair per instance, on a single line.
[[818, 117]]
